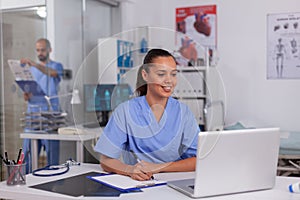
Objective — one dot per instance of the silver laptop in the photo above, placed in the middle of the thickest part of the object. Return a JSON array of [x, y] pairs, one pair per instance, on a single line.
[[233, 161]]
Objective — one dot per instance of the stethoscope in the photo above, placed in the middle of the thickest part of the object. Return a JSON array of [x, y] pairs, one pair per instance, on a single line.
[[65, 167]]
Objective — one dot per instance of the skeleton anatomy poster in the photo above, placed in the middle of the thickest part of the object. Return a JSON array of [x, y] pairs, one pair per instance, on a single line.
[[283, 40]]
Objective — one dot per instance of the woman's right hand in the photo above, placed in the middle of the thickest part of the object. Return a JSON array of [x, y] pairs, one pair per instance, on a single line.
[[137, 172]]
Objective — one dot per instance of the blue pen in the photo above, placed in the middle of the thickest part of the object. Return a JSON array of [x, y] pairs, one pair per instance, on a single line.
[[135, 156]]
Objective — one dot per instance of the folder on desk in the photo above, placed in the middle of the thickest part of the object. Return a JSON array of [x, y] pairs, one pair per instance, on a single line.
[[125, 183]]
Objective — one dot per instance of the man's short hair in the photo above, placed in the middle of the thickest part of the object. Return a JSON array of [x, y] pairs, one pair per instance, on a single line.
[[48, 45]]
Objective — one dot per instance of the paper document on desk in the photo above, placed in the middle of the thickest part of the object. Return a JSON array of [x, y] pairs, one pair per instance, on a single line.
[[24, 78], [125, 183]]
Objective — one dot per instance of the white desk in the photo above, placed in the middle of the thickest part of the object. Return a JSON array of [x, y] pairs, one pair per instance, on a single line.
[[89, 134], [279, 192]]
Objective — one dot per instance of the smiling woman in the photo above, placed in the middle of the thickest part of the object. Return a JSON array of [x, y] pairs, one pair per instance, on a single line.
[[160, 80], [161, 131]]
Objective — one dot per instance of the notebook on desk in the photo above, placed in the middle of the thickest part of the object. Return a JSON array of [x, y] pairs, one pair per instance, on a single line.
[[232, 162]]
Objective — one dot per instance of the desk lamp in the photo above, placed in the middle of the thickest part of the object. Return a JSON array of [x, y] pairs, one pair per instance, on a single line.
[[75, 98]]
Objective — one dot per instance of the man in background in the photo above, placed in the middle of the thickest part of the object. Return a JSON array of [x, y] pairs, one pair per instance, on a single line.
[[47, 73]]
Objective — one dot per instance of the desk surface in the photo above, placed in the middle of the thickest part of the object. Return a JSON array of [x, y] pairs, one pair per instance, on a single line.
[[279, 192]]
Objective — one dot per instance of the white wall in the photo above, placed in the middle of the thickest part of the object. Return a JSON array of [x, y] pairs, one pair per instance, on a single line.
[[11, 4], [250, 97]]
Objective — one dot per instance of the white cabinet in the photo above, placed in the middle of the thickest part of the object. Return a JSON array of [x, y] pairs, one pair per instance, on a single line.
[[192, 90]]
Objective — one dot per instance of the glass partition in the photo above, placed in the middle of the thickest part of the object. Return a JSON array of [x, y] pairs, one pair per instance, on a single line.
[[19, 30], [73, 33]]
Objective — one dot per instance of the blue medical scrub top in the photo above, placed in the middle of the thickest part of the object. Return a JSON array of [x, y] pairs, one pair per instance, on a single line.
[[133, 126], [49, 85]]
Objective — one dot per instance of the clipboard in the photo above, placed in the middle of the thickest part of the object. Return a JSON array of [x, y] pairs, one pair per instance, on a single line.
[[31, 86], [125, 183], [20, 72], [24, 78]]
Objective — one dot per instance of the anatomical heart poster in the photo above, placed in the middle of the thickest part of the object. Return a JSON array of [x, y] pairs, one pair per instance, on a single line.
[[196, 32]]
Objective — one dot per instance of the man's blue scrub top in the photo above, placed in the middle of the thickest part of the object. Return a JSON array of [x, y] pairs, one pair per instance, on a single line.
[[49, 85], [134, 127]]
